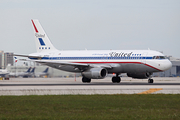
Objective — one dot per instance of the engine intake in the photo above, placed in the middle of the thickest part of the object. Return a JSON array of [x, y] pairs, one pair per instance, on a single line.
[[139, 75], [95, 73]]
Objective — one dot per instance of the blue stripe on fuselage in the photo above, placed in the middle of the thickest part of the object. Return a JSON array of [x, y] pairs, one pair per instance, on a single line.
[[92, 58]]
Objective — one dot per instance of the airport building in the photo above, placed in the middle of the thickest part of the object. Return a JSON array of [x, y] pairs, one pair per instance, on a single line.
[[5, 59], [8, 59], [1, 59], [52, 71]]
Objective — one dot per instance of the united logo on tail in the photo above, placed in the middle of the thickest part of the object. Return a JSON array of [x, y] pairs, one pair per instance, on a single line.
[[37, 35], [41, 39]]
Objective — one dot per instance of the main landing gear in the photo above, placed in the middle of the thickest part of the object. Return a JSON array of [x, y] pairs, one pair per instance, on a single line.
[[150, 80], [86, 80], [116, 79]]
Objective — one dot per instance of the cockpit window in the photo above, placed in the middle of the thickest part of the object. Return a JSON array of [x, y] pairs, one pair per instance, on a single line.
[[162, 57], [159, 57]]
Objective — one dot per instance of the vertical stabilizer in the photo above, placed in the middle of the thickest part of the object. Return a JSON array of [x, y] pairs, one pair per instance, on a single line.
[[28, 70], [32, 71], [41, 39], [46, 70]]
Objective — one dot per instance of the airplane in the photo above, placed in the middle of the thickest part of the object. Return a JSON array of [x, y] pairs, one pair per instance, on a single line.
[[22, 74], [96, 64], [44, 73], [4, 72], [31, 73]]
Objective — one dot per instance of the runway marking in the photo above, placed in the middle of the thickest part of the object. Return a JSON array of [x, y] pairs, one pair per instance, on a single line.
[[151, 90]]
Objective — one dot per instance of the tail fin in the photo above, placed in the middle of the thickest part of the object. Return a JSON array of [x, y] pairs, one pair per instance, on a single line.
[[28, 69], [15, 59], [42, 41], [32, 71], [46, 70]]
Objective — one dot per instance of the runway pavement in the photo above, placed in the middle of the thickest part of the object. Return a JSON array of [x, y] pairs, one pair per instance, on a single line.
[[64, 86]]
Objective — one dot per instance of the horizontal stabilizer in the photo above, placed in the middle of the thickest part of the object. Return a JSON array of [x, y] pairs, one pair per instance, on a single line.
[[29, 56]]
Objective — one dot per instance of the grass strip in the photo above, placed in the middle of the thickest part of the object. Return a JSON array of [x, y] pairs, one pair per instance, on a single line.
[[105, 107]]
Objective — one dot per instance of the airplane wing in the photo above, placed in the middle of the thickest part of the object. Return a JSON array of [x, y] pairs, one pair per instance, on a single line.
[[81, 66], [59, 63]]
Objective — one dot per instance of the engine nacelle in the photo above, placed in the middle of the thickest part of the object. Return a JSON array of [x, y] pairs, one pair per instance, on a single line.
[[95, 73], [139, 75]]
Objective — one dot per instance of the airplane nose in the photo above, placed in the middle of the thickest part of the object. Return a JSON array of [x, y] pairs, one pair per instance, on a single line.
[[167, 65]]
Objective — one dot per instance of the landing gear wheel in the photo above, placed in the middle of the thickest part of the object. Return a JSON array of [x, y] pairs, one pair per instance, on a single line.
[[150, 80], [86, 80], [116, 79]]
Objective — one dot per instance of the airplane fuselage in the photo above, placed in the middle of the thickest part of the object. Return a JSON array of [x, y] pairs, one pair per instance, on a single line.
[[120, 61]]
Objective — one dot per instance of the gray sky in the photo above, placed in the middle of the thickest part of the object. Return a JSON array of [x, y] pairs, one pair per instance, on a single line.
[[92, 24]]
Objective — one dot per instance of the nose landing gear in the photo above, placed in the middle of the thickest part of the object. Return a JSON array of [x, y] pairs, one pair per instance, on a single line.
[[150, 80]]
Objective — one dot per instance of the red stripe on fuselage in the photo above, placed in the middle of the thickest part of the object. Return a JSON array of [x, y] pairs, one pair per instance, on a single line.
[[119, 63], [34, 26], [152, 67]]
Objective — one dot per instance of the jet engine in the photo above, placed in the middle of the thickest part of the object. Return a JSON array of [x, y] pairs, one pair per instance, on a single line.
[[139, 75], [95, 73]]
